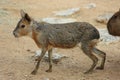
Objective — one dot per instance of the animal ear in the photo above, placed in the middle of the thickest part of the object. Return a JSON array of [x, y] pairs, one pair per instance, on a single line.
[[22, 13], [25, 16]]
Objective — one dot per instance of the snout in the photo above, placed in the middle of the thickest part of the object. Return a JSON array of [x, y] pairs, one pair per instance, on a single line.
[[15, 34]]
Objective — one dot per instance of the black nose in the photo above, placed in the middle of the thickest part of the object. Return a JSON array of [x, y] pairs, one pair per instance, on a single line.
[[14, 34]]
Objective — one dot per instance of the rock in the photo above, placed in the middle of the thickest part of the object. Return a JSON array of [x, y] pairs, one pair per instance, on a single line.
[[67, 12], [37, 53], [104, 18], [6, 17], [2, 2], [3, 12], [90, 6], [46, 79], [56, 57], [106, 37], [25, 75], [58, 20]]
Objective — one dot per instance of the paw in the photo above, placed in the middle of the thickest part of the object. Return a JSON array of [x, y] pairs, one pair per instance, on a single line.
[[100, 68], [88, 72], [49, 70], [34, 72]]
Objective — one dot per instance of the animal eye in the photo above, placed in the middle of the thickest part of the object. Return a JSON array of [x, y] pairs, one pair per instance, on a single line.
[[22, 26], [115, 16]]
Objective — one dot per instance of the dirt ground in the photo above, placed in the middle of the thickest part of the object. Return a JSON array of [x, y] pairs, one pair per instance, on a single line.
[[16, 62]]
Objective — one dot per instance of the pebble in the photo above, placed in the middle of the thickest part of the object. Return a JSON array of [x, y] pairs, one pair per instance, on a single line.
[[56, 57], [104, 18], [53, 20], [46, 79], [90, 6], [67, 12], [106, 37]]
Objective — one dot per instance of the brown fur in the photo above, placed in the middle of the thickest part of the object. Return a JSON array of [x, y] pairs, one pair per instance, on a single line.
[[48, 36], [113, 24], [34, 37]]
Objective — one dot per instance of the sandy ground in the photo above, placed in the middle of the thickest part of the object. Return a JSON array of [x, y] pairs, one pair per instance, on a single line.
[[16, 62]]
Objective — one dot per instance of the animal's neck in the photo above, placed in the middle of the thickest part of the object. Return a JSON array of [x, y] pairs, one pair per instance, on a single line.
[[34, 24], [37, 25], [35, 33]]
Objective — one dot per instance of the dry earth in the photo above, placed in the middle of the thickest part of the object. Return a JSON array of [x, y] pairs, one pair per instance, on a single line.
[[16, 62]]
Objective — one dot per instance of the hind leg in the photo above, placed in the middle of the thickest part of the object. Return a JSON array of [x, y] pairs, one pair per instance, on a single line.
[[50, 60], [87, 49], [102, 55]]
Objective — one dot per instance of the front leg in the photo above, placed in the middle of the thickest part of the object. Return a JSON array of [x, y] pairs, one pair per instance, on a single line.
[[50, 60], [39, 59]]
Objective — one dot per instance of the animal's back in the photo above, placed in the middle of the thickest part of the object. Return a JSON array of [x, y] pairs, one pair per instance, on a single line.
[[69, 34]]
